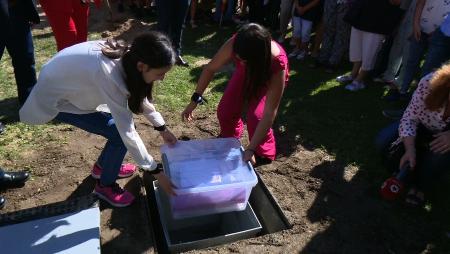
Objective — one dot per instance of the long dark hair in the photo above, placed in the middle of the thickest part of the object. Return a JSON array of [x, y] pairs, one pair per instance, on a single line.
[[151, 48], [253, 44]]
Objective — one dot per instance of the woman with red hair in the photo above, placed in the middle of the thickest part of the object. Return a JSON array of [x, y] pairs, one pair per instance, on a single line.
[[424, 135]]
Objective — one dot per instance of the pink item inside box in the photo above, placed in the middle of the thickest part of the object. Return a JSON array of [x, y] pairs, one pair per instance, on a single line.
[[210, 176]]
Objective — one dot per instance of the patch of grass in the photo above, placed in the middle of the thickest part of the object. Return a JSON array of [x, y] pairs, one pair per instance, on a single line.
[[20, 137], [175, 91]]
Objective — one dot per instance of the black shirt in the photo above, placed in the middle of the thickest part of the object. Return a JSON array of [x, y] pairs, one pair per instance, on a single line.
[[377, 16], [312, 14]]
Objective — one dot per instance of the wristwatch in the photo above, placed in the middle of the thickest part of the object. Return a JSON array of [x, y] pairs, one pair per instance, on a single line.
[[198, 99]]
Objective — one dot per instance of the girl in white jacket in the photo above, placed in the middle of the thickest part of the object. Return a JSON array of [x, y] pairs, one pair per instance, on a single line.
[[74, 86]]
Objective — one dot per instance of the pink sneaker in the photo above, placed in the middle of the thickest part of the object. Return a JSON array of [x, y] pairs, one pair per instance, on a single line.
[[126, 170], [114, 195]]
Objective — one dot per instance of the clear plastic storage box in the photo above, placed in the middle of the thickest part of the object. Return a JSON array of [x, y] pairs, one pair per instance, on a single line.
[[210, 176]]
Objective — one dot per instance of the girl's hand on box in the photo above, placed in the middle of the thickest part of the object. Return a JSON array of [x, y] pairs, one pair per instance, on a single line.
[[249, 155], [165, 183], [168, 137]]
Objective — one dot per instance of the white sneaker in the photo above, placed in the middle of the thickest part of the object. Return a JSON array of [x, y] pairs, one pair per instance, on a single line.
[[301, 55], [294, 53], [344, 79], [355, 86]]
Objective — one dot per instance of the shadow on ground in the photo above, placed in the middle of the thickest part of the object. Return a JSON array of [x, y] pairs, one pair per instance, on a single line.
[[321, 115], [9, 110], [121, 238]]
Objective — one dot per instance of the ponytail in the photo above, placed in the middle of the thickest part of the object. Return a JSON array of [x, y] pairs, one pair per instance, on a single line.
[[151, 48]]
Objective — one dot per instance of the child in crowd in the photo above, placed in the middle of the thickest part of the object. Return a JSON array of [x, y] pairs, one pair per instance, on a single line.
[[256, 88], [76, 83], [305, 12]]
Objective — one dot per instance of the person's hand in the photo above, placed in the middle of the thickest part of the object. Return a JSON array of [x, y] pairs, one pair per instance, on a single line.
[[165, 183], [187, 115], [441, 143], [417, 31], [168, 137], [249, 155], [408, 157]]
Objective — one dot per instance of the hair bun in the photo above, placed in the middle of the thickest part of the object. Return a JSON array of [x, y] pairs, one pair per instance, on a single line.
[[114, 48]]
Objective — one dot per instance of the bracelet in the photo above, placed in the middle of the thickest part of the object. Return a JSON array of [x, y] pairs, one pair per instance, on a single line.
[[199, 99], [160, 128]]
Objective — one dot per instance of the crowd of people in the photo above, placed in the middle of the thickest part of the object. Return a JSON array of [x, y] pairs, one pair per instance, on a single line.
[[385, 40]]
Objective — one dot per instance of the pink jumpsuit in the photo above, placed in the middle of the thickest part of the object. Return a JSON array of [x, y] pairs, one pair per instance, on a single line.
[[231, 106]]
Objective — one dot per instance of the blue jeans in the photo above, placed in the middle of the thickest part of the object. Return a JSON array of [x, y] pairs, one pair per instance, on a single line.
[[430, 166], [111, 158], [412, 65], [386, 136], [171, 16], [17, 39], [438, 52], [227, 14]]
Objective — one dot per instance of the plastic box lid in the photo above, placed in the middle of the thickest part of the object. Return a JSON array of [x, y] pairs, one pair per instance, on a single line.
[[206, 165]]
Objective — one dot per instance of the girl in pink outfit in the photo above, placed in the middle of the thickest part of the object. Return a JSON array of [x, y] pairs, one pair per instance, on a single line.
[[255, 88]]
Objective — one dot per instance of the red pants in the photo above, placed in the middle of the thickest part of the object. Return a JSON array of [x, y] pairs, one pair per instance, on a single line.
[[68, 19], [229, 114]]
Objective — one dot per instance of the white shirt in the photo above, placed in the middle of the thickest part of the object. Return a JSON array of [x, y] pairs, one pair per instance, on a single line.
[[433, 14], [417, 113], [80, 80]]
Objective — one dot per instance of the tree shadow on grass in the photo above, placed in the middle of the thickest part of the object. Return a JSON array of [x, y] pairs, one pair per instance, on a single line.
[[357, 221], [132, 222], [224, 75], [317, 113], [84, 188]]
